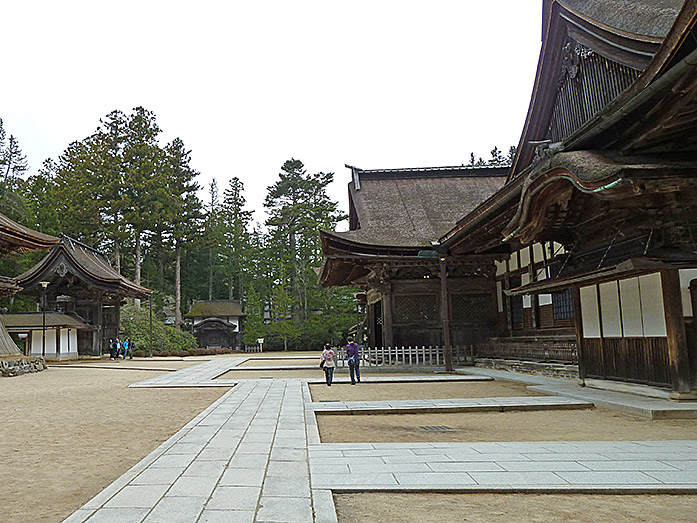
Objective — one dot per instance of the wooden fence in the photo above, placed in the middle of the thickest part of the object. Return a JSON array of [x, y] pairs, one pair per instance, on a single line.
[[403, 356]]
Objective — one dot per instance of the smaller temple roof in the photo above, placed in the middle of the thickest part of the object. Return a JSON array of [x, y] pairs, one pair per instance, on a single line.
[[407, 208], [34, 320], [16, 238], [215, 308], [214, 324], [70, 256]]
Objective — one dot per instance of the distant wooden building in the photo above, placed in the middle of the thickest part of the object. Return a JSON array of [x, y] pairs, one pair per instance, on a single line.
[[414, 296], [82, 283], [14, 239], [217, 323], [599, 213]]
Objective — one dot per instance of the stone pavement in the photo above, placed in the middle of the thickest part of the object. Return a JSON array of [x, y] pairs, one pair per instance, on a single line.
[[255, 456], [646, 407]]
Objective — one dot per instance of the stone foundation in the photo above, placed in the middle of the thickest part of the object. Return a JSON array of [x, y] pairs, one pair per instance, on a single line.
[[21, 365], [552, 370]]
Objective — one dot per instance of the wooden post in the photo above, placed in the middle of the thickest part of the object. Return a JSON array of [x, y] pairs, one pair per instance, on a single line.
[[578, 324], [445, 316], [675, 329], [387, 334]]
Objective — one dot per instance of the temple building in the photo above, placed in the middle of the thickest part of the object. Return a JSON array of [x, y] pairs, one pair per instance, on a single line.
[[590, 246], [77, 280], [599, 211], [217, 323], [15, 239], [411, 291]]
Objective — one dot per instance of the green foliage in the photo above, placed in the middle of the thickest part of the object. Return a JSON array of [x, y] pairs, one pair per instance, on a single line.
[[497, 158], [135, 324]]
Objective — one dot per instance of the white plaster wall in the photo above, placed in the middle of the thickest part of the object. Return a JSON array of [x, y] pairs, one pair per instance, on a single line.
[[525, 257], [610, 309], [500, 267], [652, 313], [36, 346], [589, 312], [632, 325], [513, 262], [537, 253], [524, 280]]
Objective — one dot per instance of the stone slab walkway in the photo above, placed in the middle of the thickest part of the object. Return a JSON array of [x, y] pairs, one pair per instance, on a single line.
[[606, 466], [651, 408], [255, 456]]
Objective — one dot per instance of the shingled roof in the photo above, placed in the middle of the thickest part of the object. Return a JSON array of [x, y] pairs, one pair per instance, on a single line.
[[90, 265], [16, 238], [28, 320], [215, 308], [407, 208]]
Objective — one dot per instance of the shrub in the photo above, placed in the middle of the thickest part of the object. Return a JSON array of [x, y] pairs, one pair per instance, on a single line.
[[136, 325], [138, 353], [184, 353]]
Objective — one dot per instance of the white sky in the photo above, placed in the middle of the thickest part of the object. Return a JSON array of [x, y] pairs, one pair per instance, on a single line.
[[248, 85]]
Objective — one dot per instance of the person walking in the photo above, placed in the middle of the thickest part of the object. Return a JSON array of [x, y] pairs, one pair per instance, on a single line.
[[112, 349], [127, 348], [354, 360], [118, 349], [328, 363]]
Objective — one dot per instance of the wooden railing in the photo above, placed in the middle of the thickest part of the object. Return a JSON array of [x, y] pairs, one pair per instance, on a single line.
[[404, 356]]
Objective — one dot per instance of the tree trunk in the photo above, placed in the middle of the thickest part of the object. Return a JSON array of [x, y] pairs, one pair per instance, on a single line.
[[231, 279], [210, 273], [177, 287], [160, 261], [117, 256], [136, 277]]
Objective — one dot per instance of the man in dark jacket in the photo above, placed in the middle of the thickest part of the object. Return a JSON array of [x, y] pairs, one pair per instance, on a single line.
[[354, 360]]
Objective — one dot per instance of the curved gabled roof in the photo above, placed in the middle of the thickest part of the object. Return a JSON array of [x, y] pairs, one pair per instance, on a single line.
[[16, 238], [88, 264], [627, 33], [407, 208]]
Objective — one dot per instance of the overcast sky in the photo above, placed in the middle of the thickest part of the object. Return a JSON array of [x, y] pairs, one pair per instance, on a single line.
[[248, 85]]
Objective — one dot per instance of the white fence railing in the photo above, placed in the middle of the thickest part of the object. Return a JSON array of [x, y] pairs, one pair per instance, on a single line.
[[416, 356], [252, 348]]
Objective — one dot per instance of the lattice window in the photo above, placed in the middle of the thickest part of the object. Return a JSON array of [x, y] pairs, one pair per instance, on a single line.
[[471, 307], [416, 308], [563, 305]]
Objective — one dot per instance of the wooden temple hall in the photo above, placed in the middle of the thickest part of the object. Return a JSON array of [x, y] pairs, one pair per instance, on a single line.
[[75, 281], [587, 242]]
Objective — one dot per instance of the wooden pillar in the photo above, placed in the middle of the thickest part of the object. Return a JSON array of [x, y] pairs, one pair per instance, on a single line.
[[675, 329], [387, 334], [445, 316], [98, 337], [578, 324], [371, 326], [692, 349], [507, 300]]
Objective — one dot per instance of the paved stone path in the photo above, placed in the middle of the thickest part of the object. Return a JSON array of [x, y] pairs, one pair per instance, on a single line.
[[255, 456]]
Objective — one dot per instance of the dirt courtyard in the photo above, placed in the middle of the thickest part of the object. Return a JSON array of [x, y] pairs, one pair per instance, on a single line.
[[68, 432], [514, 508]]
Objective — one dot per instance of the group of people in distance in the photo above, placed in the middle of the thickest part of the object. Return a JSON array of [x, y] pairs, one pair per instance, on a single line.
[[120, 348], [328, 362]]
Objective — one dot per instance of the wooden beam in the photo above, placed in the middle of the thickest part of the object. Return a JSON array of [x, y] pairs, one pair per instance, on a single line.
[[675, 328]]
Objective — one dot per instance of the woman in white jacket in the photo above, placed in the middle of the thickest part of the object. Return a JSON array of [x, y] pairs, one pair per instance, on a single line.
[[328, 363]]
